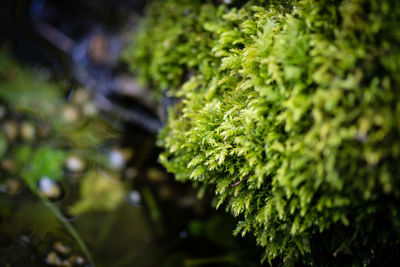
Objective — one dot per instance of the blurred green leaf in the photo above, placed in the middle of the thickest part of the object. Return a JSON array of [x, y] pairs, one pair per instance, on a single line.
[[43, 162]]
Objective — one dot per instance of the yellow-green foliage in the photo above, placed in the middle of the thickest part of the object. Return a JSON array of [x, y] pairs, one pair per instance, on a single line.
[[29, 100], [41, 133], [292, 112]]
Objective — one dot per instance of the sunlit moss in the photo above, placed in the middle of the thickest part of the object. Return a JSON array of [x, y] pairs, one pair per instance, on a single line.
[[292, 112]]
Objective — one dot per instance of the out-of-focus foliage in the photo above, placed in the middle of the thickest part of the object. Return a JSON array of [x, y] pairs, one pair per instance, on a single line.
[[46, 140], [50, 145], [291, 109], [26, 91], [40, 221], [99, 191]]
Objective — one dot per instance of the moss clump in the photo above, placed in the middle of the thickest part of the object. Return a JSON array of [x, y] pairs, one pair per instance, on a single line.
[[292, 112]]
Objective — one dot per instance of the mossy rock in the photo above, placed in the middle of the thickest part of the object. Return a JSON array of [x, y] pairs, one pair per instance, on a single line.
[[291, 109]]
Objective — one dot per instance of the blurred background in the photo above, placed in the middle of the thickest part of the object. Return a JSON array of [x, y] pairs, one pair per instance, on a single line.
[[80, 183]]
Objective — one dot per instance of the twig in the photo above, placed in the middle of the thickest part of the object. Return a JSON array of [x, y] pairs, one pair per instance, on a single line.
[[121, 84], [127, 86], [54, 36], [147, 122]]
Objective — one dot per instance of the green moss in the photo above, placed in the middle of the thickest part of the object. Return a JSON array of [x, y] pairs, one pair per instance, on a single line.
[[292, 112]]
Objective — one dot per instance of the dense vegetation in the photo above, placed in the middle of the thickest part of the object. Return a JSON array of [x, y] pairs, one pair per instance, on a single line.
[[291, 110], [49, 145]]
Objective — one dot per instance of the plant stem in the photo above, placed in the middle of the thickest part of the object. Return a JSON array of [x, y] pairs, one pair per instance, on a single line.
[[68, 226]]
